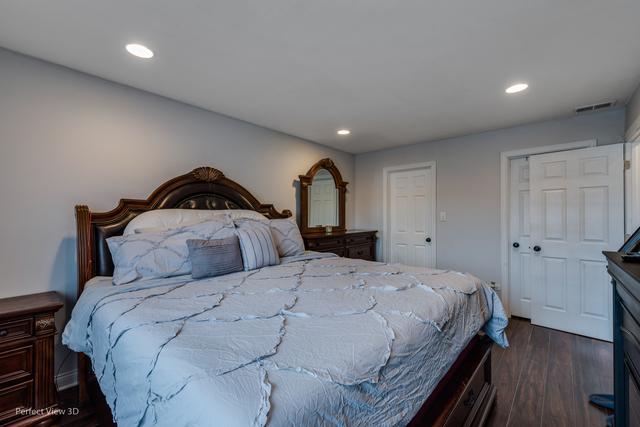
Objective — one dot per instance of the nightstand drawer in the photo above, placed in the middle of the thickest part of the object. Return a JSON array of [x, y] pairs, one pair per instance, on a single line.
[[16, 329], [16, 363], [14, 398]]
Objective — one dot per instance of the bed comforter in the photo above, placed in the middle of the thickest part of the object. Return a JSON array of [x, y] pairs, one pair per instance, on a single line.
[[313, 341]]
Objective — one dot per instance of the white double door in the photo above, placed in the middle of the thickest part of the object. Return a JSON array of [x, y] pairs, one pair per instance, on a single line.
[[566, 208]]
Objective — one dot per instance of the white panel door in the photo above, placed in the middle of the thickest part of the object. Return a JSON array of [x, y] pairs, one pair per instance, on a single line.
[[520, 252], [577, 211], [411, 209]]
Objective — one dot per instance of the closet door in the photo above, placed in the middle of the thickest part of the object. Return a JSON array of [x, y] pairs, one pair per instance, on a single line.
[[577, 211], [520, 251], [411, 217]]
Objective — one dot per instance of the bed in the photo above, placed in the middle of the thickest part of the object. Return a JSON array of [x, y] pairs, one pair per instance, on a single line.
[[314, 340]]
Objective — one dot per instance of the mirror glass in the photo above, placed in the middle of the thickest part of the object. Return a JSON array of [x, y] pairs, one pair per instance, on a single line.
[[323, 200]]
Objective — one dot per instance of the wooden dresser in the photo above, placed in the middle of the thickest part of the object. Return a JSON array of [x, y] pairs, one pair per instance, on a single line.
[[626, 338], [27, 388], [359, 244]]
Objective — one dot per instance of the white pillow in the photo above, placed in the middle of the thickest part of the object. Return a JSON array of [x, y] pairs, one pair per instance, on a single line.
[[164, 254], [287, 237], [166, 219]]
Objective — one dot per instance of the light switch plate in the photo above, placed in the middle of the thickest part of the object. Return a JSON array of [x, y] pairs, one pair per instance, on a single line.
[[443, 216]]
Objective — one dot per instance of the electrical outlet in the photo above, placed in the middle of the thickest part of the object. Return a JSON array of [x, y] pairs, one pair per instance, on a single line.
[[443, 216]]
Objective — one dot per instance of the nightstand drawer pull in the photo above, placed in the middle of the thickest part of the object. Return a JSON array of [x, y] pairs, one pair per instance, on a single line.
[[3, 332]]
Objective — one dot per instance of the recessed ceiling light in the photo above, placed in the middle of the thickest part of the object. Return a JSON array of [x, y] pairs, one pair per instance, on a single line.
[[139, 50], [518, 87], [344, 132]]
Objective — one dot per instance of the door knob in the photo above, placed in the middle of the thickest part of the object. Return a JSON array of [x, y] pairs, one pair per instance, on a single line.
[[537, 248], [516, 244], [428, 239]]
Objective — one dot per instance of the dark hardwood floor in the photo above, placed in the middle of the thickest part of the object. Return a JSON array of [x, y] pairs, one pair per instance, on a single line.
[[85, 418], [545, 377]]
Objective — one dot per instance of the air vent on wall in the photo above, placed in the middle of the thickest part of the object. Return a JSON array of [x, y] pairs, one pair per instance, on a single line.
[[595, 107]]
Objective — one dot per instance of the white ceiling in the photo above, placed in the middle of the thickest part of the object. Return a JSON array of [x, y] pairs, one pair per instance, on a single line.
[[394, 72]]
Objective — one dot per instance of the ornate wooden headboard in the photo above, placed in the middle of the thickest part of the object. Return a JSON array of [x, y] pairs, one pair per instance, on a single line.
[[202, 188]]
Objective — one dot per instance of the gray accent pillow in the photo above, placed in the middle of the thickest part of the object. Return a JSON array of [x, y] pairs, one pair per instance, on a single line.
[[287, 236], [256, 244], [211, 258], [161, 254]]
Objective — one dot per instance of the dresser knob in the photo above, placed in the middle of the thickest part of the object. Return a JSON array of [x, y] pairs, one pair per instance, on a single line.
[[3, 333]]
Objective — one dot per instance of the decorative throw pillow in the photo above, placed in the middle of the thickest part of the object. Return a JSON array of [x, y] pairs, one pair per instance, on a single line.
[[210, 258], [256, 244], [162, 254], [287, 236]]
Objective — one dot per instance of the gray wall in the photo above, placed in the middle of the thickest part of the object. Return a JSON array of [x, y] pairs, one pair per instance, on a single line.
[[468, 183], [68, 138], [633, 117]]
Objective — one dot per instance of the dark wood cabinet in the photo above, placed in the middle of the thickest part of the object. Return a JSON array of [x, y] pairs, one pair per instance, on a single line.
[[626, 338], [359, 244], [27, 389]]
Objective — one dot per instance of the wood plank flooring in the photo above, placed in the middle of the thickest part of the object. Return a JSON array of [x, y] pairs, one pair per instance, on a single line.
[[545, 377]]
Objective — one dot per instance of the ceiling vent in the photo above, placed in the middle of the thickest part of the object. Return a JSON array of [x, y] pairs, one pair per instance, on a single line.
[[595, 107]]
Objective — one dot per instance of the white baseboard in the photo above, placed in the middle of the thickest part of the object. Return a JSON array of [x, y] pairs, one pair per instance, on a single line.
[[67, 379]]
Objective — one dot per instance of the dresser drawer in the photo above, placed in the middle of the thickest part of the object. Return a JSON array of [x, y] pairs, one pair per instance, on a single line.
[[16, 363], [16, 329], [630, 331], [360, 252], [15, 398], [360, 240], [318, 244]]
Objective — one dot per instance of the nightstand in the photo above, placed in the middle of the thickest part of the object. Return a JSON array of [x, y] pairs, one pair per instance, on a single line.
[[27, 330]]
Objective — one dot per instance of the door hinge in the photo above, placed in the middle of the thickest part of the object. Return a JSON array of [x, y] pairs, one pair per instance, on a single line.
[[627, 164]]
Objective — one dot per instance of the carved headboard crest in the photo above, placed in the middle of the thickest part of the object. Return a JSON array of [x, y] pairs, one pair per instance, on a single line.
[[208, 174]]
